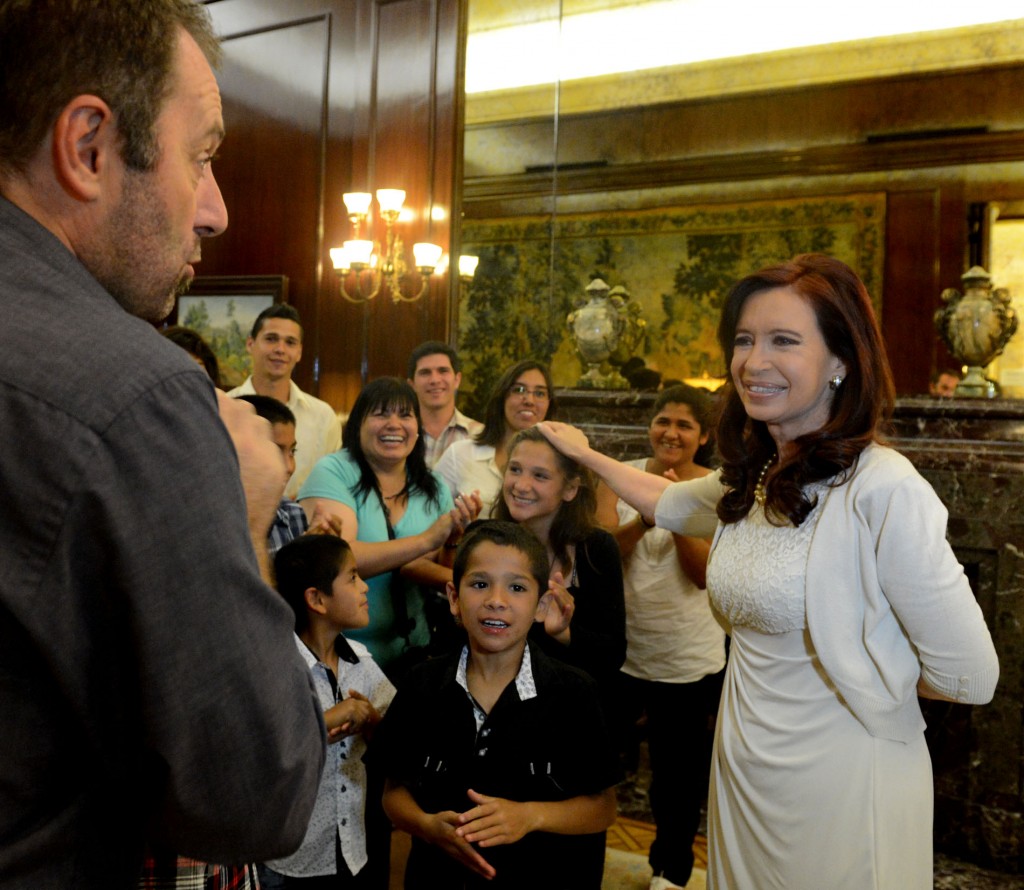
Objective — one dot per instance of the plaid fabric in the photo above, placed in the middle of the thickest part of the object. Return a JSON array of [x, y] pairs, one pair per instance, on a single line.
[[180, 873], [289, 523]]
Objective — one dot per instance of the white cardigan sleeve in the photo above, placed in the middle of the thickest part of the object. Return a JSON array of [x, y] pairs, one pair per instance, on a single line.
[[689, 508], [930, 594]]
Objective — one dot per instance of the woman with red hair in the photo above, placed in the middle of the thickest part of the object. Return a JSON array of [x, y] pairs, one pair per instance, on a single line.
[[845, 603]]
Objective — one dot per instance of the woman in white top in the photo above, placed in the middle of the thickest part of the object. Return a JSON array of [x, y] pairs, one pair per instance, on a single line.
[[830, 563], [675, 652], [522, 397]]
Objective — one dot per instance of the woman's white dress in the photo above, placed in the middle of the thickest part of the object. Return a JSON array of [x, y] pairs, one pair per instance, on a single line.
[[801, 797]]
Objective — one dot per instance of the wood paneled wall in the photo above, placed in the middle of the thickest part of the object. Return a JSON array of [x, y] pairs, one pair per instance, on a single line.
[[322, 97]]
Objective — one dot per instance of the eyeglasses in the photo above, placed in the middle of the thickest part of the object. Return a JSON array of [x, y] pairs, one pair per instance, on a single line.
[[540, 393]]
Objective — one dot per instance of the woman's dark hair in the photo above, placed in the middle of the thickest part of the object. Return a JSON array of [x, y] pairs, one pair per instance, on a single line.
[[863, 400], [193, 343], [495, 424], [574, 519], [389, 394], [308, 561], [701, 406]]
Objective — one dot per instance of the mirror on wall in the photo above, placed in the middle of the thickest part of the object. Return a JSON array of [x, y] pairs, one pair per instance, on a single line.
[[1006, 266], [671, 182]]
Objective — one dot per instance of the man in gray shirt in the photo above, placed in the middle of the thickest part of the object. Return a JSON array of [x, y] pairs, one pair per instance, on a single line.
[[149, 683]]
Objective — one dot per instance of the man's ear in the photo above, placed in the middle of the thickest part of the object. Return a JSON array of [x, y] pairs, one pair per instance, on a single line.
[[85, 144]]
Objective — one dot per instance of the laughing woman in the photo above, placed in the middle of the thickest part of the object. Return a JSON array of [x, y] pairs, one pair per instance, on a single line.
[[394, 512], [847, 604], [554, 497]]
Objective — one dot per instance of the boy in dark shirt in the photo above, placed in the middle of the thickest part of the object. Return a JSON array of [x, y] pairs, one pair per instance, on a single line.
[[498, 759]]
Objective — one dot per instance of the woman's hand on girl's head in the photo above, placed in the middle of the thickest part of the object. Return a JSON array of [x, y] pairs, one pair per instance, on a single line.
[[572, 442], [557, 607]]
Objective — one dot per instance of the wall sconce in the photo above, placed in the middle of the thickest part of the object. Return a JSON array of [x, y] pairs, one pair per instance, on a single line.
[[361, 258], [467, 268]]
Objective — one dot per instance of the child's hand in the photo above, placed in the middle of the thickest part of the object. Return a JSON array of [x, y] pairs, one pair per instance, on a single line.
[[495, 821], [557, 607], [352, 716], [440, 830]]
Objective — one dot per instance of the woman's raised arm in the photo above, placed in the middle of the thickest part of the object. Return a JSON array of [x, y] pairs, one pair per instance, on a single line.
[[637, 488]]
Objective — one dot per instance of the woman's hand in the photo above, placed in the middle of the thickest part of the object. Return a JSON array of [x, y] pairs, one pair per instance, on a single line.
[[557, 607], [572, 442], [467, 508], [439, 531], [325, 523]]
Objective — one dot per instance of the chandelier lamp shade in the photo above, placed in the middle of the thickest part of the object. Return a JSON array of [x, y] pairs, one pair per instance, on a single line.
[[364, 270]]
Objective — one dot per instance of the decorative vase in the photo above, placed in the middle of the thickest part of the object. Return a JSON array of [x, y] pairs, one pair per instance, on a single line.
[[976, 326], [596, 326]]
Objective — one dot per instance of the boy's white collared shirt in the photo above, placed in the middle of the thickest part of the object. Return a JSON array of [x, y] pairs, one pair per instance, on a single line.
[[340, 801], [525, 686]]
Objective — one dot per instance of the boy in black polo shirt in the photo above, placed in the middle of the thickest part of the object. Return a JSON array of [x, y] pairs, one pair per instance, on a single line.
[[498, 759]]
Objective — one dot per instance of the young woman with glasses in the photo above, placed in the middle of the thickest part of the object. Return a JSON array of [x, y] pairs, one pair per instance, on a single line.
[[522, 397]]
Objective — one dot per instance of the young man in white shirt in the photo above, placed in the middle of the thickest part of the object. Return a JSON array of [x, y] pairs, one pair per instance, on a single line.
[[435, 372], [275, 347]]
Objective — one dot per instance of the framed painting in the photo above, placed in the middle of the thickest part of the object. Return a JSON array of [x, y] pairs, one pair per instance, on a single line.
[[222, 309]]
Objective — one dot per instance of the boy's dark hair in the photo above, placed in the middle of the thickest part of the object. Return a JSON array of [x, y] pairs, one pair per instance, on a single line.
[[269, 408], [278, 310], [193, 343], [432, 347], [308, 561], [504, 534]]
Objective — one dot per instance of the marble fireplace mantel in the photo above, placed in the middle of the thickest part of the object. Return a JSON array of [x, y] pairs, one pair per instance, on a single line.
[[972, 452]]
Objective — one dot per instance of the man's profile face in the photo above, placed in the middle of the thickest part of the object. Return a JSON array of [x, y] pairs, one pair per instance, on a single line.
[[435, 382], [945, 386], [148, 243], [276, 349]]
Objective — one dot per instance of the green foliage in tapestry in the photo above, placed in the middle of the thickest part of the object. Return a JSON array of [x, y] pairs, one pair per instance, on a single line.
[[677, 264]]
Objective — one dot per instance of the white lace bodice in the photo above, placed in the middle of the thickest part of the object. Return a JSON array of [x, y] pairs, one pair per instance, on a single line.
[[757, 572]]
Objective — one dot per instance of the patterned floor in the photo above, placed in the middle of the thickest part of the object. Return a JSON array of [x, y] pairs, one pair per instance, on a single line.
[[634, 836]]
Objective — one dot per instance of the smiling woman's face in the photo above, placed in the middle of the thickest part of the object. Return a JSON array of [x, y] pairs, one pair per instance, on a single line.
[[534, 486], [529, 406], [388, 434], [781, 365]]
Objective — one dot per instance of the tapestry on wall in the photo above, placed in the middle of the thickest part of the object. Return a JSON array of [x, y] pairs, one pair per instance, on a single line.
[[676, 263]]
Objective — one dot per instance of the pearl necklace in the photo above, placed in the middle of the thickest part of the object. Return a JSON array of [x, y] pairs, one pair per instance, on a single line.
[[760, 494]]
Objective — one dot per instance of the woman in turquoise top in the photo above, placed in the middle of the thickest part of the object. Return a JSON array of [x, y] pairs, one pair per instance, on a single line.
[[395, 513]]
